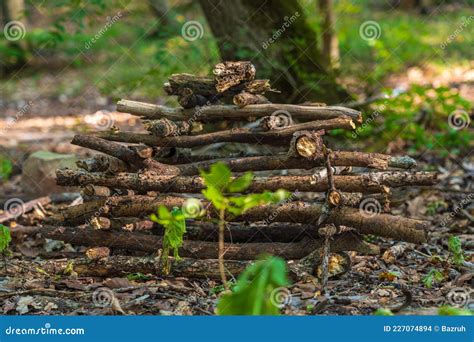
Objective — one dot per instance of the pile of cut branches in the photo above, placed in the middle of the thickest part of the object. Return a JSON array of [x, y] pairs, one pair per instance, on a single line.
[[332, 197]]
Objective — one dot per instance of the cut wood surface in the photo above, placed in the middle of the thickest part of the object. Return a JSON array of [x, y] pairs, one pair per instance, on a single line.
[[237, 135], [229, 112], [364, 183], [88, 236], [385, 225]]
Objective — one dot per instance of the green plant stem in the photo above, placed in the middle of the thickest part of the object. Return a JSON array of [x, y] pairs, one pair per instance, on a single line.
[[221, 247]]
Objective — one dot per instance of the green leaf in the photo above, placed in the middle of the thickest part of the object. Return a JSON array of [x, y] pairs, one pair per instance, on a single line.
[[5, 238], [452, 311], [432, 277], [455, 247], [242, 183], [6, 168], [252, 295], [138, 276], [174, 223], [383, 312], [218, 176], [215, 196]]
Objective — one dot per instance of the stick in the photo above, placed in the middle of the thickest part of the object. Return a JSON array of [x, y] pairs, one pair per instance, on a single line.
[[338, 158], [229, 74], [14, 208], [129, 155], [306, 144], [375, 182], [244, 99], [121, 266], [166, 128], [234, 113], [384, 225], [88, 236], [103, 163], [237, 135]]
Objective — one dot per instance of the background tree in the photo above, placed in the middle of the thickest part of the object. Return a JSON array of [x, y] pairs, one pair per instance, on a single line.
[[276, 37], [330, 46], [13, 10]]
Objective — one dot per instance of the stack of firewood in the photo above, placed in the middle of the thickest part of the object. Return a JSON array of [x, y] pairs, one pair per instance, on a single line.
[[137, 172]]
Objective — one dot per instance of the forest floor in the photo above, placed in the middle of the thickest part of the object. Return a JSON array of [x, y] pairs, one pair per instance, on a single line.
[[423, 274]]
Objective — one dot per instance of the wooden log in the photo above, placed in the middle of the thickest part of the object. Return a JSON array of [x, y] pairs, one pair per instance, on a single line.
[[129, 155], [384, 225], [282, 162], [188, 99], [244, 99], [121, 266], [206, 86], [236, 135], [103, 163], [166, 128], [230, 74], [203, 231], [306, 144], [363, 183], [142, 151], [234, 113], [88, 236], [96, 190]]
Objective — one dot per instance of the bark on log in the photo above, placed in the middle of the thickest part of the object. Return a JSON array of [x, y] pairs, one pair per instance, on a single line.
[[123, 153], [120, 266], [384, 225], [188, 99], [363, 183], [244, 99], [103, 163], [229, 74], [206, 87], [204, 231], [273, 122], [87, 236], [166, 128], [226, 112], [236, 135], [338, 158]]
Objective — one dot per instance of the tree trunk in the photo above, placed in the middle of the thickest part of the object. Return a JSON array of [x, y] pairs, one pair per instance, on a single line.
[[13, 10], [330, 46], [276, 38]]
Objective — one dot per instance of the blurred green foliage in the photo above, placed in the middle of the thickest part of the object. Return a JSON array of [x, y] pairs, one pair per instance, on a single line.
[[136, 53], [6, 168], [423, 117], [257, 289]]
